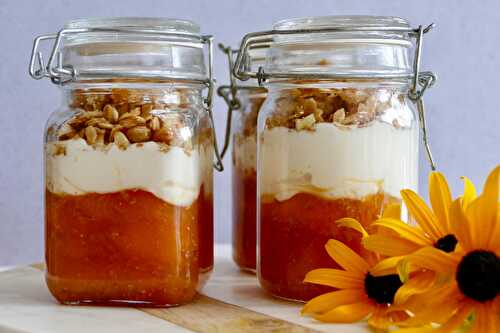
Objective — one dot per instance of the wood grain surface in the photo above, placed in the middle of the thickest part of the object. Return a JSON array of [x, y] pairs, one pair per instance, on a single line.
[[209, 315]]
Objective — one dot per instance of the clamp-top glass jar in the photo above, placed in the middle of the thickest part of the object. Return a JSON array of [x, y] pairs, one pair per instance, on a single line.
[[338, 137], [128, 162], [244, 99]]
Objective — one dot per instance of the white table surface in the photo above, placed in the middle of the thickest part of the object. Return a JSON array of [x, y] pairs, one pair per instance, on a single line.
[[27, 307]]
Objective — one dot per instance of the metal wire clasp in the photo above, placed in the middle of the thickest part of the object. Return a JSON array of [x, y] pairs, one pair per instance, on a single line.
[[420, 81], [229, 94], [218, 165], [60, 74]]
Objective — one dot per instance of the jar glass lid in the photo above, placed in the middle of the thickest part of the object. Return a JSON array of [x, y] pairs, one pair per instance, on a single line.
[[351, 46], [126, 47]]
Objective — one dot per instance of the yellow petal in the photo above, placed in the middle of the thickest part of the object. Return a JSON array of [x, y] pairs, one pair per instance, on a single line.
[[445, 298], [486, 319], [433, 259], [389, 245], [440, 197], [482, 212], [345, 257], [335, 278], [348, 222], [491, 187], [419, 283], [495, 236], [347, 313], [329, 301], [469, 191], [456, 321], [380, 318], [392, 211], [482, 220], [461, 226], [413, 234], [422, 214], [426, 329], [386, 266], [404, 269]]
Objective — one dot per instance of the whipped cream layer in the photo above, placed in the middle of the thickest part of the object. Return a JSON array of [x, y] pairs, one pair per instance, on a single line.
[[174, 176], [335, 162], [245, 152]]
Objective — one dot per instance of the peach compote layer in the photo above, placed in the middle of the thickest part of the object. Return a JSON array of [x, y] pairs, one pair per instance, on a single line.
[[129, 245], [293, 234], [244, 218]]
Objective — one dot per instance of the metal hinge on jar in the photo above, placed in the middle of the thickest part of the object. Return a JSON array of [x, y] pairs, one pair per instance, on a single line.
[[61, 74], [420, 81], [230, 94]]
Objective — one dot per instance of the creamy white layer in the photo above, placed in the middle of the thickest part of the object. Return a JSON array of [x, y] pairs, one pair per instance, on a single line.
[[174, 176], [335, 162], [245, 152]]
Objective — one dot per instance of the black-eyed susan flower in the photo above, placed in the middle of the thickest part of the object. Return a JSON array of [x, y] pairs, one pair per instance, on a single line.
[[434, 225], [468, 280], [361, 293]]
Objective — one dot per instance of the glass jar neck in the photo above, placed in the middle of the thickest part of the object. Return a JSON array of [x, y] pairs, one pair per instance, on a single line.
[[401, 86]]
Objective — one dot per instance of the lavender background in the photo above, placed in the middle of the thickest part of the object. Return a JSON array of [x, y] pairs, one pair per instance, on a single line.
[[463, 112]]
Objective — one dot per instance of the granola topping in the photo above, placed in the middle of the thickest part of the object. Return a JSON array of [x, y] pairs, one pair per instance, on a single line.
[[123, 117], [302, 108]]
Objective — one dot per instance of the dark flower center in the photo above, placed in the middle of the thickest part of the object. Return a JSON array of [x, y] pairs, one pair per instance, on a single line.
[[382, 289], [446, 243], [478, 275]]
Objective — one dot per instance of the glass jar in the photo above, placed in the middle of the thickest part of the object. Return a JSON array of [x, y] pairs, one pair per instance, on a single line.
[[338, 137], [244, 100], [128, 163]]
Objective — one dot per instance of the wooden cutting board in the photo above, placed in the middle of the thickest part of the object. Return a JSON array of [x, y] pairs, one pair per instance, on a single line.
[[231, 302]]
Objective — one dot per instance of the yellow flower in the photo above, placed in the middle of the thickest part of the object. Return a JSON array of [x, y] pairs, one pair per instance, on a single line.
[[360, 293], [435, 227], [468, 280]]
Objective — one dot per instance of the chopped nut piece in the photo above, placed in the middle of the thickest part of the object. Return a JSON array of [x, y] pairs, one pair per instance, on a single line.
[[91, 135], [121, 140], [132, 121], [105, 125], [111, 114], [305, 123], [164, 134], [139, 134], [146, 110], [155, 124], [318, 115], [115, 129], [309, 106], [95, 121], [58, 149], [164, 148], [100, 138], [66, 132], [339, 116], [136, 111]]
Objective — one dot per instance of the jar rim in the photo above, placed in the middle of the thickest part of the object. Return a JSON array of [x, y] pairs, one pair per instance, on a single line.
[[341, 21], [150, 23]]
